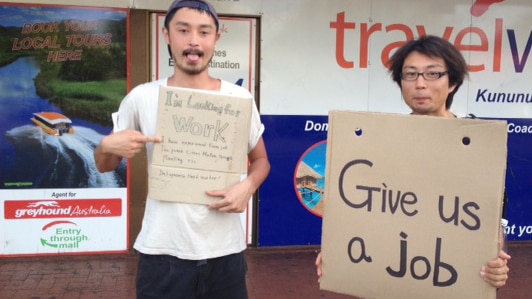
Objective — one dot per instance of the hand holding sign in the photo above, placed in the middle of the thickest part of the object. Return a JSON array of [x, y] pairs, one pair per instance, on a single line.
[[496, 271], [234, 199]]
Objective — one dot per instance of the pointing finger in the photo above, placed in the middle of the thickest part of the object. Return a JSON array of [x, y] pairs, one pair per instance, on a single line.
[[146, 139], [153, 139]]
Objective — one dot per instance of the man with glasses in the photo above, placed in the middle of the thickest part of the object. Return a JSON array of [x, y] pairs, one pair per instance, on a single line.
[[429, 72]]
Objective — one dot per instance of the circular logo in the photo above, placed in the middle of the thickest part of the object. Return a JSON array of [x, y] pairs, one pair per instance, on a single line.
[[309, 177]]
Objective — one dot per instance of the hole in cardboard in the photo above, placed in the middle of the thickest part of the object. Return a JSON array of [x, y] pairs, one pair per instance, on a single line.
[[358, 132], [466, 141]]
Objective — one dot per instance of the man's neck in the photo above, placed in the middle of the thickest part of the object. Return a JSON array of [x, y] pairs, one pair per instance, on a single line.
[[446, 113], [201, 81]]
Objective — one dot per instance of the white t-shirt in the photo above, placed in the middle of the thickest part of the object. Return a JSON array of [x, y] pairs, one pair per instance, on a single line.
[[187, 231]]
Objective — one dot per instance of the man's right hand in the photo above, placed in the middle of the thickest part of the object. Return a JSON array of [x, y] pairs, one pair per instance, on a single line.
[[123, 144], [126, 143]]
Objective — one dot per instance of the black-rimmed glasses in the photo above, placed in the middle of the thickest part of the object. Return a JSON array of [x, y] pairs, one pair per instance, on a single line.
[[429, 76]]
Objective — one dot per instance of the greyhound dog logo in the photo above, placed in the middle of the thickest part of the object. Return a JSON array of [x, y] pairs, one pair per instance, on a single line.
[[44, 203], [480, 7]]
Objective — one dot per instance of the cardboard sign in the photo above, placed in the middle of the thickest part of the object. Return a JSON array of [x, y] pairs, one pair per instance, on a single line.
[[204, 147], [412, 205]]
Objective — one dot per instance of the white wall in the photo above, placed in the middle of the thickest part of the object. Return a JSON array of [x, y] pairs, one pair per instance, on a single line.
[[222, 6], [300, 74]]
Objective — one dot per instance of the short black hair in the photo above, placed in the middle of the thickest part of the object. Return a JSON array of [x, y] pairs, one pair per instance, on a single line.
[[199, 5], [435, 47]]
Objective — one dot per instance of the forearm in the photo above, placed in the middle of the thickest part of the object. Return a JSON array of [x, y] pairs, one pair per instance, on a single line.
[[259, 165], [105, 161], [258, 172]]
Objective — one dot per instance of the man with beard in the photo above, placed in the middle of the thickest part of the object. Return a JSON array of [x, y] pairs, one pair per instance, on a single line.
[[187, 250]]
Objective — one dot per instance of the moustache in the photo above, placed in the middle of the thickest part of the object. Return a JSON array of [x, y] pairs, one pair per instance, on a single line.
[[193, 52]]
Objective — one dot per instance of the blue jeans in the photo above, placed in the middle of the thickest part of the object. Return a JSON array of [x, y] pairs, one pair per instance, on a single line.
[[168, 277]]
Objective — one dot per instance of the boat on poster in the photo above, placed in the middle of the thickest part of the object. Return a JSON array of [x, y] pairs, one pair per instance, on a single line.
[[53, 123]]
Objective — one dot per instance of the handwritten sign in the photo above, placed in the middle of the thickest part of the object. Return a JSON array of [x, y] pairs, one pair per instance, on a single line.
[[412, 205], [204, 147]]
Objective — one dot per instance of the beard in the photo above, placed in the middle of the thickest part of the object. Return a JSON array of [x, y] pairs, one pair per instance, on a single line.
[[193, 69]]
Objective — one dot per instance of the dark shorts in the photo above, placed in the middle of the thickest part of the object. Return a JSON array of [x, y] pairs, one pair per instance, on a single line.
[[168, 277]]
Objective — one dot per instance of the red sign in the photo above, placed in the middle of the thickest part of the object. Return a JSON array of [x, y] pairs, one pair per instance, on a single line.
[[85, 208]]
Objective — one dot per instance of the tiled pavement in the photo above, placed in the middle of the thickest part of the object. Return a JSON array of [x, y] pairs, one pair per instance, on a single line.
[[274, 273]]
